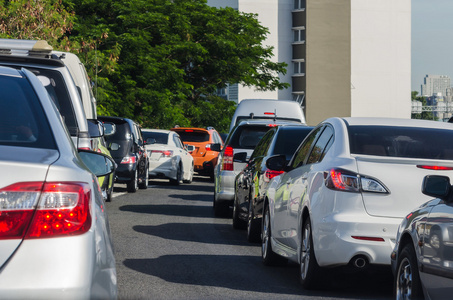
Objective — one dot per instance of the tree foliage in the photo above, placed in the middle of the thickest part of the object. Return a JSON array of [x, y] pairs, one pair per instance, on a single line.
[[159, 62], [425, 115]]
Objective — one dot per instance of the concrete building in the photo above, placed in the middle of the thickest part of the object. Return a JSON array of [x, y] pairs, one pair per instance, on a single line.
[[434, 84], [345, 57]]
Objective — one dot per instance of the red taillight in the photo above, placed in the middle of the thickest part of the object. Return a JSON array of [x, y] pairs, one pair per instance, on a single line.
[[437, 168], [269, 113], [128, 160], [272, 125], [368, 238], [84, 148], [269, 174], [64, 209], [208, 147], [164, 153], [47, 210], [189, 130], [227, 160]]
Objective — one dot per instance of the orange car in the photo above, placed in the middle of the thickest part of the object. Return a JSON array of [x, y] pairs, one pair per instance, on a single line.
[[204, 158]]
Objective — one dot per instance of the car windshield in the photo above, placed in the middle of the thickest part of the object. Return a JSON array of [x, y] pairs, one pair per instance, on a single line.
[[160, 137], [193, 136], [22, 119], [122, 133], [411, 142], [247, 136], [289, 139]]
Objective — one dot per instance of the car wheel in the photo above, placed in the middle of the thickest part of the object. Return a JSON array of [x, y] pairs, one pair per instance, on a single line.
[[407, 280], [220, 207], [177, 181], [268, 256], [144, 184], [309, 269], [132, 186], [253, 233], [237, 222]]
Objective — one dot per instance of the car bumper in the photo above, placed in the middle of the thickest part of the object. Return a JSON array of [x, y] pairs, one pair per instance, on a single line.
[[224, 186], [342, 237], [162, 169], [124, 173], [58, 268]]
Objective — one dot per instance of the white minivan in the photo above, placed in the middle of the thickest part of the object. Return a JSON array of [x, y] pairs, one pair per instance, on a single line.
[[268, 109]]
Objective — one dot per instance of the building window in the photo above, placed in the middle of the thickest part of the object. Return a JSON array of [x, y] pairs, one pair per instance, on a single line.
[[299, 4], [299, 35], [299, 67]]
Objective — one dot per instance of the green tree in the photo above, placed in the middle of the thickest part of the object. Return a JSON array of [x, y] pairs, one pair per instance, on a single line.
[[168, 58], [36, 19]]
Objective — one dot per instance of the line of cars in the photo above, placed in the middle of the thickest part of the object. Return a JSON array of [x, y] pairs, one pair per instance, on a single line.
[[52, 214], [344, 198]]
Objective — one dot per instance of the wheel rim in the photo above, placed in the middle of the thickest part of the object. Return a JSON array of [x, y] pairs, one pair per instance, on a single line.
[[305, 252], [265, 234], [404, 280]]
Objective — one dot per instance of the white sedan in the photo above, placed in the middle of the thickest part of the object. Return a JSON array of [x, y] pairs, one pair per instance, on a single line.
[[346, 190], [168, 157]]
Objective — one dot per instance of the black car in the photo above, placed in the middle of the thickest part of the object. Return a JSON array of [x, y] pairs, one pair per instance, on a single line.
[[252, 181], [127, 148]]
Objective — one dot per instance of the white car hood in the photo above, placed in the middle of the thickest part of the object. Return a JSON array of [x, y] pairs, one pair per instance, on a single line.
[[402, 178]]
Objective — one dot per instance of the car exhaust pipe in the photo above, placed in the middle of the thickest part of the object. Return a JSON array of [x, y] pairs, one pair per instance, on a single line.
[[359, 261]]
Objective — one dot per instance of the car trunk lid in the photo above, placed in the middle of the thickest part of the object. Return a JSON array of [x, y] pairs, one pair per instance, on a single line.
[[403, 179]]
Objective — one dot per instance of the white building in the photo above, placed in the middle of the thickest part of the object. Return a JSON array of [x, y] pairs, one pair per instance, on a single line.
[[434, 84], [345, 57]]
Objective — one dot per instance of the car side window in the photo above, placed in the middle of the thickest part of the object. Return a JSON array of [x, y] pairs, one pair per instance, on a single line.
[[322, 145], [304, 148], [178, 142], [263, 145]]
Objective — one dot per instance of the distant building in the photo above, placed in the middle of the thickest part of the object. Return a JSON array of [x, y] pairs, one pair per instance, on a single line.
[[434, 84], [340, 55]]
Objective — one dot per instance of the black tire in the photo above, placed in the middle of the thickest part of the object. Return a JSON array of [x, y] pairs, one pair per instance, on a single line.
[[177, 181], [220, 207], [309, 268], [253, 226], [268, 256], [144, 183], [407, 279], [132, 186], [238, 223]]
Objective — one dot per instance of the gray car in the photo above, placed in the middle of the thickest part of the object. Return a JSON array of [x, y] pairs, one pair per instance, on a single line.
[[238, 147], [54, 234], [422, 260]]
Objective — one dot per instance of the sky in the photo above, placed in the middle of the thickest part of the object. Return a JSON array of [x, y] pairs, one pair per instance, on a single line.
[[432, 40]]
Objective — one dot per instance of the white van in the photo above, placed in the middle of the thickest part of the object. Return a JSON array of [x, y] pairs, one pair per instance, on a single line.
[[80, 76], [272, 109]]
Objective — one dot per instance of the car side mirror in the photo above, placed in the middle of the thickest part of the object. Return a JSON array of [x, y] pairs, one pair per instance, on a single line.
[[436, 186], [216, 147], [276, 163], [114, 146], [99, 164], [240, 157]]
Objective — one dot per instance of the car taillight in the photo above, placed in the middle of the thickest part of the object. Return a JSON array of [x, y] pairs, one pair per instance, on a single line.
[[343, 180], [47, 209], [164, 153], [437, 168], [129, 160], [227, 160], [269, 174], [208, 147], [84, 148]]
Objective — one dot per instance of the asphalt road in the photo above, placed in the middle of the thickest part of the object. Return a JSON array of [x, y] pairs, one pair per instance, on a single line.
[[169, 245]]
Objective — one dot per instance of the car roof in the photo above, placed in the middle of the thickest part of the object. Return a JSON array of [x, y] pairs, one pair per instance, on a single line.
[[157, 130], [369, 121], [267, 122]]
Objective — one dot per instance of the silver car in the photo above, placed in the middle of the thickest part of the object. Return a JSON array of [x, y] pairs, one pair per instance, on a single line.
[[54, 234], [423, 257]]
